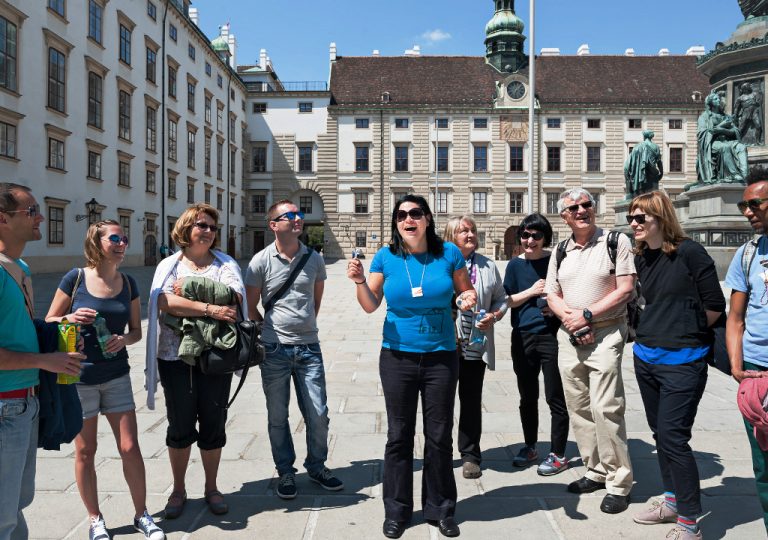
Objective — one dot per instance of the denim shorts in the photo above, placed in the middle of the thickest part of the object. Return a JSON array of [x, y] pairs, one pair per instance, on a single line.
[[113, 396]]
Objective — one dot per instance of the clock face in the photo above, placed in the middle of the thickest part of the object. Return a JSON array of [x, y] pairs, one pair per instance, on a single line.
[[516, 90]]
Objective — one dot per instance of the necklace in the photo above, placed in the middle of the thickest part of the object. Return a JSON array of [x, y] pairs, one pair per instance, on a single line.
[[416, 292], [194, 265]]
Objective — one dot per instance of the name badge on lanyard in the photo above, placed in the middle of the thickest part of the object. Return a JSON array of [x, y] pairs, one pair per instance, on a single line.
[[416, 292]]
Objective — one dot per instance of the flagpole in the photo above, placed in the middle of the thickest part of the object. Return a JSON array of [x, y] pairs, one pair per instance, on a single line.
[[532, 103]]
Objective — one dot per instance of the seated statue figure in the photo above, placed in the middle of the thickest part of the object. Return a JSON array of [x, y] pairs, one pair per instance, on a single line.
[[721, 155], [644, 168]]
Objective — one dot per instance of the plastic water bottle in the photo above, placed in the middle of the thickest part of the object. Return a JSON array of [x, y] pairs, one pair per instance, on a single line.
[[102, 335], [477, 336]]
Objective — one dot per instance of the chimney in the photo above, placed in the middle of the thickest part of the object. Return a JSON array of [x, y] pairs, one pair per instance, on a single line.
[[549, 51], [333, 51], [416, 51], [695, 50], [375, 52], [583, 50], [232, 49], [225, 31], [629, 52], [193, 15], [263, 59], [664, 52]]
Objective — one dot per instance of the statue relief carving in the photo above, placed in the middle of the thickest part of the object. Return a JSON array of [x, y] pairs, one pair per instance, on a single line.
[[748, 112], [644, 168], [722, 157]]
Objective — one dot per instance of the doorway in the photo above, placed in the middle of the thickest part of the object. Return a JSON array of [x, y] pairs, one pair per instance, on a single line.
[[150, 250], [512, 247]]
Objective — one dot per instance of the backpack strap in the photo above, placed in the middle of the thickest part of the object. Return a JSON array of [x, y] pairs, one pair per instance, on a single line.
[[747, 256], [18, 275], [560, 252], [612, 245], [74, 289]]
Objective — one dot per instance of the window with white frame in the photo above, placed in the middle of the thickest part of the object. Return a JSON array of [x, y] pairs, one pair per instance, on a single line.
[[361, 202], [675, 159], [480, 123], [362, 152], [553, 158], [480, 202], [401, 158], [7, 140], [55, 225], [552, 198], [360, 239], [593, 158], [515, 202], [94, 165], [441, 205], [515, 158], [480, 157], [55, 154], [123, 173], [441, 158], [361, 123], [305, 158], [8, 55]]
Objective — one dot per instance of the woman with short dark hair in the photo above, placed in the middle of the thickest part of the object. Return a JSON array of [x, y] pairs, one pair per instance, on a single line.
[[534, 346], [417, 274]]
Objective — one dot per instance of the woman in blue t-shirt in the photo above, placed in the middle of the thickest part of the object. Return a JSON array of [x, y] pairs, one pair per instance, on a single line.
[[105, 384], [417, 274]]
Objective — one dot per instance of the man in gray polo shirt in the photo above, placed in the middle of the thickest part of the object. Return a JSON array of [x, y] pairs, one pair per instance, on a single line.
[[588, 293], [293, 351]]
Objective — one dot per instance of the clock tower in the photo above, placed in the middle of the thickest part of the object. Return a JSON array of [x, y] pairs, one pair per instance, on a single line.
[[504, 39]]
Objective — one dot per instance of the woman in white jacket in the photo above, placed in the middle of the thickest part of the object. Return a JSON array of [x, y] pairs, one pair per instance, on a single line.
[[473, 359]]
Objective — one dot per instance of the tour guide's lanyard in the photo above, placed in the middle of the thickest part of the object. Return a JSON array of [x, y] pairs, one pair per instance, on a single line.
[[472, 268], [416, 292]]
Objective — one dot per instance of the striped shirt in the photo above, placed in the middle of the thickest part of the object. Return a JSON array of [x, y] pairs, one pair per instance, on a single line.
[[585, 275]]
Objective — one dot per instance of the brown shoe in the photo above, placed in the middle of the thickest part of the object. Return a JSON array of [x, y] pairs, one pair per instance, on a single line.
[[175, 505], [471, 470], [216, 507]]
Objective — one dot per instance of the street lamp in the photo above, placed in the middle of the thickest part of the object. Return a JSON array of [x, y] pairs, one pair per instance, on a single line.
[[93, 208]]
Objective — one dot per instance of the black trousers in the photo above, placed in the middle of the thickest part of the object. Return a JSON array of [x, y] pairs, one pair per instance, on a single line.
[[671, 396], [403, 377], [471, 376], [531, 354]]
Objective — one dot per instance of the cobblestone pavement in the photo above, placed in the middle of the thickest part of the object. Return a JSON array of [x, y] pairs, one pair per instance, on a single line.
[[506, 502]]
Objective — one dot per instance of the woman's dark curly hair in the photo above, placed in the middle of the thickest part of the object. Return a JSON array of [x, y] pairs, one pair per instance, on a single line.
[[434, 243], [536, 222]]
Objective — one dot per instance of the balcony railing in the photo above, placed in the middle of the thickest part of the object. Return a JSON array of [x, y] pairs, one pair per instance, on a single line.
[[291, 86]]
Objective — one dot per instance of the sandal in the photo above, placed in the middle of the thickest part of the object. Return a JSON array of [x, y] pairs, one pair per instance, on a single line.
[[175, 505], [217, 508]]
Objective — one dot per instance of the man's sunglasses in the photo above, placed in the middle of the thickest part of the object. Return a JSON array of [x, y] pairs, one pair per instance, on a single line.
[[575, 207], [538, 235], [203, 226], [32, 211], [414, 213], [290, 216], [640, 218], [116, 239], [752, 204]]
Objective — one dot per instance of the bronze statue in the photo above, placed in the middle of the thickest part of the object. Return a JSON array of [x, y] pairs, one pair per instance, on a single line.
[[644, 168], [748, 114], [754, 8]]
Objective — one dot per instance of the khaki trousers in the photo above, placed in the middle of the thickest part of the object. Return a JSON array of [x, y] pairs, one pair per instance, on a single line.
[[594, 395]]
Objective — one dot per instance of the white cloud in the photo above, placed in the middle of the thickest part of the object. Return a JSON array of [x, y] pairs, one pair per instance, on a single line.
[[435, 36]]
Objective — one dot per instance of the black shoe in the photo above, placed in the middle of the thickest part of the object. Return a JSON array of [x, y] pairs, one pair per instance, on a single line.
[[614, 504], [393, 529], [585, 485], [448, 527]]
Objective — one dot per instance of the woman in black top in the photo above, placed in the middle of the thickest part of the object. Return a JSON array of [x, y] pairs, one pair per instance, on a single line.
[[683, 299]]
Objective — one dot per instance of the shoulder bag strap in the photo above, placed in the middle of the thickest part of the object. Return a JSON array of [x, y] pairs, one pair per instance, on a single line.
[[747, 256], [287, 285], [74, 289], [15, 271]]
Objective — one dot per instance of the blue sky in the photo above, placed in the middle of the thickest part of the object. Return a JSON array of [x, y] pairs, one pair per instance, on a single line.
[[296, 33]]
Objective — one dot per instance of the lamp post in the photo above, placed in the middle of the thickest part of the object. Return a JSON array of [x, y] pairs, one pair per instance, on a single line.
[[92, 207]]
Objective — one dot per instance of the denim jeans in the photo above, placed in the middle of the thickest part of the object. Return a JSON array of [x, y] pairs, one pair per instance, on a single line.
[[304, 364], [18, 450]]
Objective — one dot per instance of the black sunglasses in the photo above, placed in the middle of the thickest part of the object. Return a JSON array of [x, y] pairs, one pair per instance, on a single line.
[[538, 235], [752, 204], [203, 226], [575, 207], [290, 216], [116, 239], [640, 218], [415, 213]]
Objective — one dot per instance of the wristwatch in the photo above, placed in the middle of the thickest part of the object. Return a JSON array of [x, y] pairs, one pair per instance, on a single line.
[[587, 315]]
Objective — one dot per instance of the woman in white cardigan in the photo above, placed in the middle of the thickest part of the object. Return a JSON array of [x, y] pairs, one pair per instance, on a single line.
[[473, 359]]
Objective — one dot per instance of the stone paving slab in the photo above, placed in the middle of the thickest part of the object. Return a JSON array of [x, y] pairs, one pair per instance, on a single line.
[[506, 502]]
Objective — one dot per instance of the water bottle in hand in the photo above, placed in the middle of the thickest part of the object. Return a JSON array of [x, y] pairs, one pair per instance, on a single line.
[[477, 336], [102, 335]]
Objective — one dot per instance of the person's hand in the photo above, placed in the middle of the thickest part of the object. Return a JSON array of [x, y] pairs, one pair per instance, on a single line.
[[222, 313], [537, 289], [82, 315], [63, 362], [115, 343], [741, 374], [355, 270], [486, 322], [586, 339], [177, 285], [573, 320], [467, 300]]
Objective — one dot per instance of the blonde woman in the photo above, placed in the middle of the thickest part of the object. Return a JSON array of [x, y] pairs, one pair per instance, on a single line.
[[105, 385]]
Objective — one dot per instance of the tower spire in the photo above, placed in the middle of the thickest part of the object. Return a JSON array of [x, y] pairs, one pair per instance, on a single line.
[[504, 39]]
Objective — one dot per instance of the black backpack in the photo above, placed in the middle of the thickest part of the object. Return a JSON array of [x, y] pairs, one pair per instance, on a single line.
[[633, 306]]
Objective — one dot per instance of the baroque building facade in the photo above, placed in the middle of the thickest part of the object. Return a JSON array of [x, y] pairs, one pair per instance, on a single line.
[[123, 105]]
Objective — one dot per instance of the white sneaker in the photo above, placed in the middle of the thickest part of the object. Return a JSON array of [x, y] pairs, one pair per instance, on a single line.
[[145, 524], [98, 529]]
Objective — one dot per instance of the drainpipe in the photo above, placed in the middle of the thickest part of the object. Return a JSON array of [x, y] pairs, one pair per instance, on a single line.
[[381, 177], [229, 161], [163, 218]]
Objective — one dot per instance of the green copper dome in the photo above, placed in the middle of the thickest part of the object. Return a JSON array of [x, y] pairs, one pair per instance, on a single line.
[[220, 44], [504, 21]]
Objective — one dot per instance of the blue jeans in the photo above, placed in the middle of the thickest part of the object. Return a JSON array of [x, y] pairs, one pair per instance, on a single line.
[[18, 450], [303, 363]]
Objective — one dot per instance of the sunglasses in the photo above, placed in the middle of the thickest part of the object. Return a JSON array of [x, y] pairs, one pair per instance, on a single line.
[[414, 213], [639, 218], [116, 239], [752, 204], [203, 226], [290, 216], [575, 207], [538, 235], [32, 211]]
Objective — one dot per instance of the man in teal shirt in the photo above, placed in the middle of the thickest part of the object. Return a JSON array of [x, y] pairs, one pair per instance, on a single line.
[[20, 360]]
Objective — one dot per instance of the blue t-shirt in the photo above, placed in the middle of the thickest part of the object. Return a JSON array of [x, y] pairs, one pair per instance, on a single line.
[[17, 331], [755, 341], [520, 275], [116, 311], [421, 324]]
